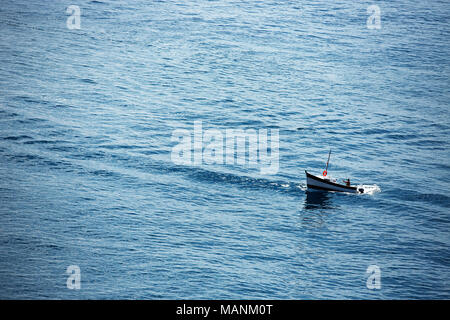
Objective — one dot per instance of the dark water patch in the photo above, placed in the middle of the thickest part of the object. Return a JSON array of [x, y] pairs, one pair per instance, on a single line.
[[17, 138], [30, 120], [7, 114], [442, 166], [105, 173], [48, 247], [239, 124], [14, 240], [29, 99], [21, 158], [373, 131], [62, 106], [120, 146], [57, 164], [121, 88], [431, 198], [429, 143], [35, 159], [64, 149], [81, 154], [86, 80], [317, 200], [44, 142], [401, 137], [440, 126], [152, 152]]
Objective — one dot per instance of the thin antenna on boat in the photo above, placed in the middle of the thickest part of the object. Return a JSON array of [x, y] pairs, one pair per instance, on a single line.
[[329, 154]]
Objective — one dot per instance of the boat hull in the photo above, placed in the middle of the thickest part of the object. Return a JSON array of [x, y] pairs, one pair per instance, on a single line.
[[318, 183]]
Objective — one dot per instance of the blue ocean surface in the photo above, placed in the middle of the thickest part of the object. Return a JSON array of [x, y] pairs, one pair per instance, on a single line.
[[87, 178]]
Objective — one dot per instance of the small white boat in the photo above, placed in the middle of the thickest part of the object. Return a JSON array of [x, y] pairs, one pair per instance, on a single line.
[[327, 184]]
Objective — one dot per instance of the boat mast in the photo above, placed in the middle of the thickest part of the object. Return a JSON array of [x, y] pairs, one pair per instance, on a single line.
[[329, 154]]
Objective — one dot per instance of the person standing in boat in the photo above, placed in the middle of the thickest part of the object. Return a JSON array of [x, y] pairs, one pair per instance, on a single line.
[[347, 182]]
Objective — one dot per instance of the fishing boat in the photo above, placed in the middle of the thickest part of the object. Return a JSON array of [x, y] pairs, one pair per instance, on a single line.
[[327, 184]]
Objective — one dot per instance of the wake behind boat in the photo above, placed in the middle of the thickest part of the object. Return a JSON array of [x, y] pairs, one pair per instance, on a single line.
[[327, 184]]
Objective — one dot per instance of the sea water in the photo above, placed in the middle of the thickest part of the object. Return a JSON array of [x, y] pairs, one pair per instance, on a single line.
[[92, 205]]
